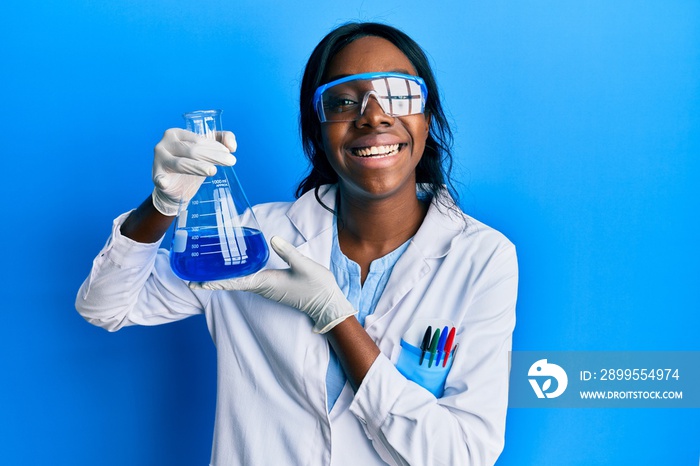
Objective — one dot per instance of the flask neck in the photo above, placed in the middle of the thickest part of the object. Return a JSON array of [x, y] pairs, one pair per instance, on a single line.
[[203, 122]]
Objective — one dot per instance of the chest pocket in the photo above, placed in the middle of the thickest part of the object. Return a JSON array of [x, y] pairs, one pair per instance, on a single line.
[[424, 363]]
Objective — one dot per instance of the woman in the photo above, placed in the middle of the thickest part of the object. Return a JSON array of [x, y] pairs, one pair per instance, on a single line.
[[374, 248]]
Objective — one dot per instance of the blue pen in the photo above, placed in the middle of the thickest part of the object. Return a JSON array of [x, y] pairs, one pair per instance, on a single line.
[[441, 344]]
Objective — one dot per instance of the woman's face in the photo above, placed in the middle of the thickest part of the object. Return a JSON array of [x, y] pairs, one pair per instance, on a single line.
[[348, 144]]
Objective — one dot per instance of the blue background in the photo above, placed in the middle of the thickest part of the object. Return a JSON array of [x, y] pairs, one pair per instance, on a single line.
[[577, 135]]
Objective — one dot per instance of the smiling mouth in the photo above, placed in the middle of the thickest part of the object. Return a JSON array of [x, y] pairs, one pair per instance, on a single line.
[[377, 151]]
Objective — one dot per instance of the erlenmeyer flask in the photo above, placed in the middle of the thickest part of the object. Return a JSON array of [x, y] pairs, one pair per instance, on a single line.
[[216, 234]]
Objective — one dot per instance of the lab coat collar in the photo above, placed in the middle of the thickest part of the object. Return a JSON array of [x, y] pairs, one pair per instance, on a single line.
[[308, 216], [442, 225], [312, 220], [434, 238]]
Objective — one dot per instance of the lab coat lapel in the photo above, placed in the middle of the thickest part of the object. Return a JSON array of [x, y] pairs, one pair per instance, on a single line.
[[432, 242], [312, 220], [409, 269]]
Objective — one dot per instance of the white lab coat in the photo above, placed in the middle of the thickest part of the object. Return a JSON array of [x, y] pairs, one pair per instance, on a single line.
[[271, 395]]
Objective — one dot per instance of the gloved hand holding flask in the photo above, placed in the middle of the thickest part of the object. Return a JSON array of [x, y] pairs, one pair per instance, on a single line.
[[306, 285], [182, 160]]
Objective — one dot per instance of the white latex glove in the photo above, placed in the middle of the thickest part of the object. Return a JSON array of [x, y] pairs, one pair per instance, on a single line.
[[306, 285], [182, 160]]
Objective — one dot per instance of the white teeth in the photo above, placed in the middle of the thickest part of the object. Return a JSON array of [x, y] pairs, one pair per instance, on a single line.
[[381, 151]]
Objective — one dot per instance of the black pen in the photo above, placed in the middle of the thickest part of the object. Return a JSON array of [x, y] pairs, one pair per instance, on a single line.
[[426, 344]]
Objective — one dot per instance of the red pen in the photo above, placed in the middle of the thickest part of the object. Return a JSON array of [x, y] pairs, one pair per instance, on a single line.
[[448, 346]]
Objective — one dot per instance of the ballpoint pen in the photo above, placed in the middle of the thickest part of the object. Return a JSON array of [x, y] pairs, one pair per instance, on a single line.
[[441, 345], [425, 344], [433, 346], [454, 351], [448, 346]]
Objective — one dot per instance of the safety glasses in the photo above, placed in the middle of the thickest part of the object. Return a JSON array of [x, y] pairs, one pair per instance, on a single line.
[[346, 99]]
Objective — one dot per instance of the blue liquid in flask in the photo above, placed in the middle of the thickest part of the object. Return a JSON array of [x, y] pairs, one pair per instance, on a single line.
[[207, 257]]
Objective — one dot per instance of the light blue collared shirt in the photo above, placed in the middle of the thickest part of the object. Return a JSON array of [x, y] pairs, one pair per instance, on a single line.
[[363, 297]]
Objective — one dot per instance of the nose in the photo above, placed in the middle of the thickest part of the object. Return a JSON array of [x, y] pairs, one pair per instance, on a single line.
[[372, 113]]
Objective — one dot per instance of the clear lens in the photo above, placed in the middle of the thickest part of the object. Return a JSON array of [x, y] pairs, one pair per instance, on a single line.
[[347, 100]]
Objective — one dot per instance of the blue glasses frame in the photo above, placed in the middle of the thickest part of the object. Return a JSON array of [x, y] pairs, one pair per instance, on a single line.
[[318, 103]]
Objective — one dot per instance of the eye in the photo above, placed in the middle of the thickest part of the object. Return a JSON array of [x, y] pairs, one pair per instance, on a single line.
[[339, 104]]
